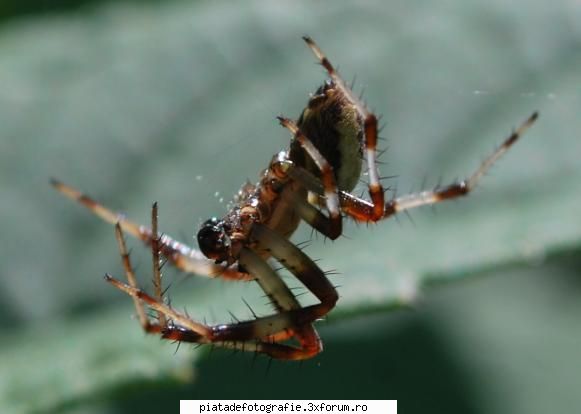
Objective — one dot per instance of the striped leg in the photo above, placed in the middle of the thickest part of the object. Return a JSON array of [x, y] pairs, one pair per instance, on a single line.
[[182, 328], [260, 335], [376, 191], [144, 321], [181, 256], [156, 264], [362, 210]]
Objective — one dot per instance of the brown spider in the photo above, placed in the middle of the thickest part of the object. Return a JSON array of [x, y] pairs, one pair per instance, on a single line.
[[315, 175]]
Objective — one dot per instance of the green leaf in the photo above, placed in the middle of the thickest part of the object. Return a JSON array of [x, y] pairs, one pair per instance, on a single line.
[[176, 103], [67, 364]]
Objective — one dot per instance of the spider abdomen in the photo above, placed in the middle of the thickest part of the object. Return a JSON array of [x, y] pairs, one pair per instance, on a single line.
[[333, 125]]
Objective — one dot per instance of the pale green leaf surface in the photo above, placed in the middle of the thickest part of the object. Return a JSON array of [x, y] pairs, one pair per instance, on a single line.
[[176, 103]]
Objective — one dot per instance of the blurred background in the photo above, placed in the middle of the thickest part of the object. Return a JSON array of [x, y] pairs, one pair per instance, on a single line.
[[175, 102]]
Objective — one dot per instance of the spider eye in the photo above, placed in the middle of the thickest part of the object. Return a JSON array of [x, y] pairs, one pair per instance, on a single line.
[[213, 240]]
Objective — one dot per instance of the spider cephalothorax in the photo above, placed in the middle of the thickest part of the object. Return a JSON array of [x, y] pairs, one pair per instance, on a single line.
[[214, 240], [311, 182]]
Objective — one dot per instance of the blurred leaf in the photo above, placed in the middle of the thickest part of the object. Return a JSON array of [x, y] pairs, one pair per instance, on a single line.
[[176, 102]]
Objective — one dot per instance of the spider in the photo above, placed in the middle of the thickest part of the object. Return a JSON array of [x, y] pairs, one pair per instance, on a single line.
[[310, 181]]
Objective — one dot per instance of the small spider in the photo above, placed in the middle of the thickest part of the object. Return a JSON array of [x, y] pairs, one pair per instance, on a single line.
[[310, 181]]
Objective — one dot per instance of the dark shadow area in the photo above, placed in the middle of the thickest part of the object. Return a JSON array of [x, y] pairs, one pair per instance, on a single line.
[[568, 265], [403, 355], [404, 360], [9, 317], [24, 8]]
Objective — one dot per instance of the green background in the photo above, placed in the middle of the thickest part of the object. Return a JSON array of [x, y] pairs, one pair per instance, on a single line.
[[175, 101]]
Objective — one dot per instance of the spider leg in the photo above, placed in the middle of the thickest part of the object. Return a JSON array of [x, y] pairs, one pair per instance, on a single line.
[[326, 225], [376, 191], [144, 320], [283, 300], [332, 226], [177, 317], [293, 321], [272, 349], [362, 210], [377, 209], [310, 214], [303, 268], [156, 264], [181, 256], [260, 335], [307, 211]]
